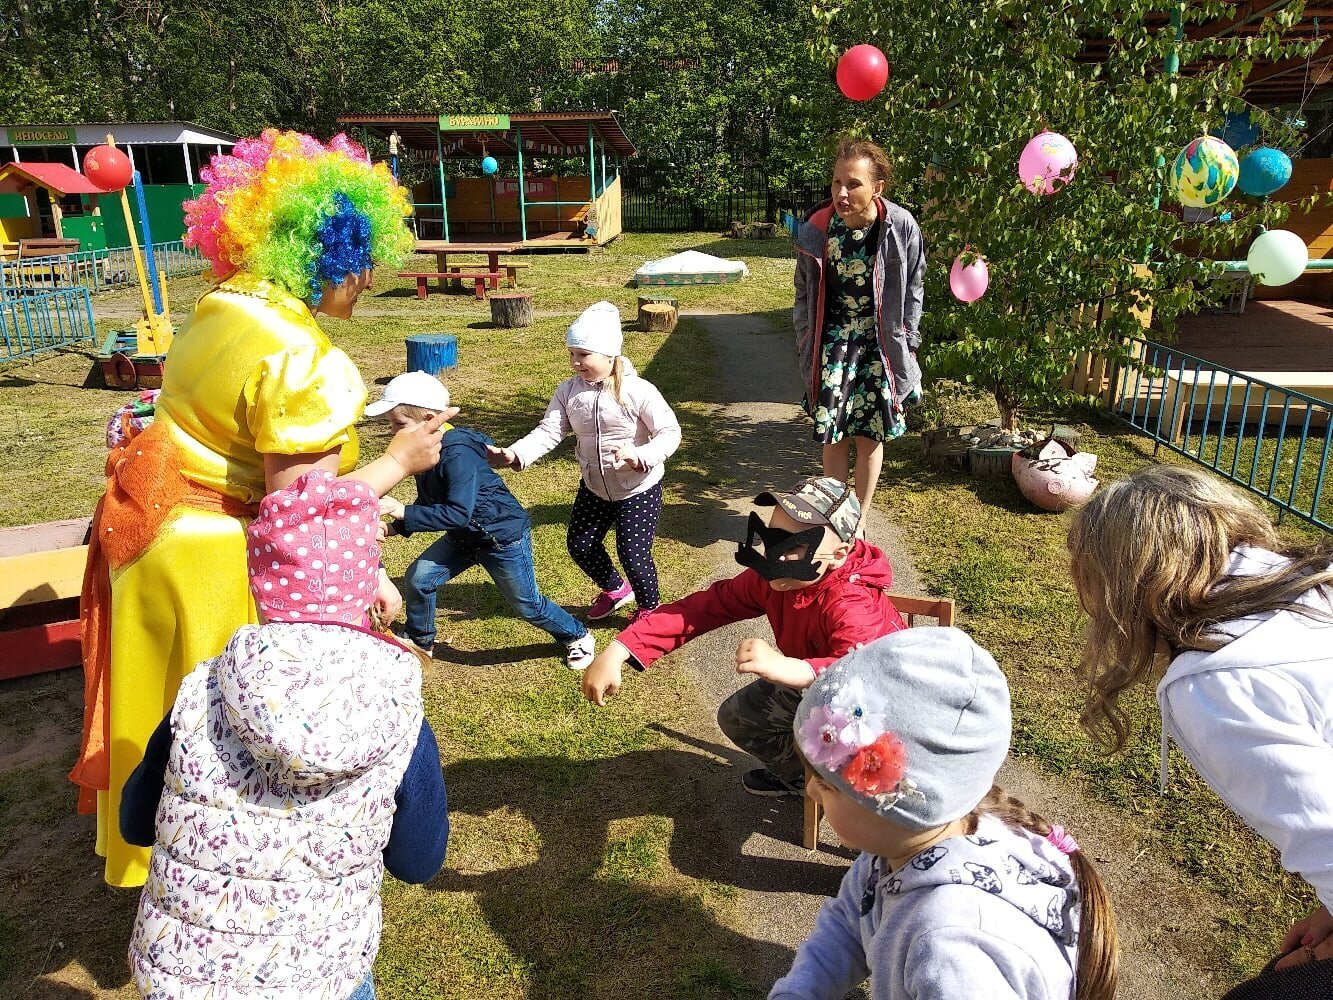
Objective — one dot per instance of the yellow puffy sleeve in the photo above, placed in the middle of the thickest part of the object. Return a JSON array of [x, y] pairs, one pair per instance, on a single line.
[[304, 400]]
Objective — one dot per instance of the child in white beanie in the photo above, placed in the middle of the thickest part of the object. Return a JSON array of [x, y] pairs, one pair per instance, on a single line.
[[960, 890], [625, 433]]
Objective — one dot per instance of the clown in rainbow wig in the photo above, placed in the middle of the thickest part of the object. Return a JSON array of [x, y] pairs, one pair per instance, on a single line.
[[254, 396], [304, 215]]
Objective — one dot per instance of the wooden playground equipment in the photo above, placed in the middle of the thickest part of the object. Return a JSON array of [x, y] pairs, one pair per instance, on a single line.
[[578, 211]]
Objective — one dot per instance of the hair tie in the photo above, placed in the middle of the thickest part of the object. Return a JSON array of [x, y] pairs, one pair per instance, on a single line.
[[1061, 840]]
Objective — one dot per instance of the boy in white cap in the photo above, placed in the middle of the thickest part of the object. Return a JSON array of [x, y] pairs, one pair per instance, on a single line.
[[960, 890], [482, 523], [625, 433]]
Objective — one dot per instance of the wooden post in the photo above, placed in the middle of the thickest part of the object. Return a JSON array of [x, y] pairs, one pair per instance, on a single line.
[[511, 309], [657, 317]]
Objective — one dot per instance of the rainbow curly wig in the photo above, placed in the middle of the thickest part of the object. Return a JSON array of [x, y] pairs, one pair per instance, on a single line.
[[290, 209]]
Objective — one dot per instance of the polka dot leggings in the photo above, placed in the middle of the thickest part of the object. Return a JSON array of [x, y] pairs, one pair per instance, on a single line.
[[635, 520]]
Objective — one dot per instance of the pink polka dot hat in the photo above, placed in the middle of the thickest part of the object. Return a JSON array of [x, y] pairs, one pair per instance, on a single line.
[[312, 551]]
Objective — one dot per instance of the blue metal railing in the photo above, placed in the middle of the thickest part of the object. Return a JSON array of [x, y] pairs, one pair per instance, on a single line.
[[96, 270], [1273, 441], [42, 321]]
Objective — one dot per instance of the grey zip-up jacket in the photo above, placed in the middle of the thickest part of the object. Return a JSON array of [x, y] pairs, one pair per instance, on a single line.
[[900, 269]]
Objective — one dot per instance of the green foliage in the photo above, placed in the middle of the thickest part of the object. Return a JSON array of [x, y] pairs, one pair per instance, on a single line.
[[971, 84]]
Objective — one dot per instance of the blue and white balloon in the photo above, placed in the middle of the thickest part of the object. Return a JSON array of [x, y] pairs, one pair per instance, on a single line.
[[489, 165], [1264, 170]]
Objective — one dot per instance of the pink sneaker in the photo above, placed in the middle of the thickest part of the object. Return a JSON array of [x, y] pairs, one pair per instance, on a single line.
[[608, 600]]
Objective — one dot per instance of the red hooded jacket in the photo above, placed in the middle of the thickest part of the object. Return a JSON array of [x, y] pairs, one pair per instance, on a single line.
[[818, 624]]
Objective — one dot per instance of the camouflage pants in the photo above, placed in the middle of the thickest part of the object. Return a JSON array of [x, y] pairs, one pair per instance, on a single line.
[[758, 719]]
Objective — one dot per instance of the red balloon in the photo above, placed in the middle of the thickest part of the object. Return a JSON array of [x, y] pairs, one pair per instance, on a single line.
[[108, 168], [862, 72]]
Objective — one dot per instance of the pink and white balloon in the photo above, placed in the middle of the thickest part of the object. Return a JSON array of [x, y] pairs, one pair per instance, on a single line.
[[969, 282], [1047, 163]]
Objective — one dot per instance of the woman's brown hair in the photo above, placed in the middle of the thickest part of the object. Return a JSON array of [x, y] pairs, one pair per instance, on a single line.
[[881, 167], [1098, 961], [1149, 558]]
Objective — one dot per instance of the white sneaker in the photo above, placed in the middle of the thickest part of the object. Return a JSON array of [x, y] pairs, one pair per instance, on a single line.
[[580, 652]]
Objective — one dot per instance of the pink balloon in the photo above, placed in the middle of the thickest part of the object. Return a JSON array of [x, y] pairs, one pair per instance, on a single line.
[[969, 282], [1047, 163], [862, 72]]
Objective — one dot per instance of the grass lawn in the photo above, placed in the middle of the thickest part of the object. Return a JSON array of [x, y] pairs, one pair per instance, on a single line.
[[572, 867]]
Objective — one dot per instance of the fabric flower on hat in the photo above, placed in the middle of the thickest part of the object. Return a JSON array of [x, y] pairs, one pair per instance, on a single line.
[[821, 738], [878, 768], [864, 710]]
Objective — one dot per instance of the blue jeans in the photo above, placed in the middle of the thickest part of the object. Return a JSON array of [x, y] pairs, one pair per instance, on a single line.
[[510, 566], [366, 991]]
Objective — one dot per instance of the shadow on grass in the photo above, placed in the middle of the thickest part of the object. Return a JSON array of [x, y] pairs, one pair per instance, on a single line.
[[584, 906]]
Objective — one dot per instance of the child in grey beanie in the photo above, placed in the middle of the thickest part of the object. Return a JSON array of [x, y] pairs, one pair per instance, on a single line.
[[960, 891]]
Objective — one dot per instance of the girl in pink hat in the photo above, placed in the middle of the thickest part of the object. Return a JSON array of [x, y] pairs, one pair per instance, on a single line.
[[296, 766]]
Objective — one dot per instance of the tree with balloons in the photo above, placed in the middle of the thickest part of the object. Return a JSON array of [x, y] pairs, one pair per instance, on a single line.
[[1044, 179]]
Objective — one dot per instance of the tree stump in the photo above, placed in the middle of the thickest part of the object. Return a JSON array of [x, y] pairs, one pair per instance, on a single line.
[[763, 231], [738, 230], [511, 309], [657, 317], [650, 299]]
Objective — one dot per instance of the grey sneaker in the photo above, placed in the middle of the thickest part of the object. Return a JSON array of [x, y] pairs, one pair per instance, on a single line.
[[762, 781], [580, 652]]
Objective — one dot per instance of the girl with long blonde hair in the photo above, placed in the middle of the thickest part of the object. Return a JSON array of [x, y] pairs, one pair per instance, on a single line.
[[1187, 584]]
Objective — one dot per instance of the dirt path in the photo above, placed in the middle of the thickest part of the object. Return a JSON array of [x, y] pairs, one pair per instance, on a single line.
[[1166, 927]]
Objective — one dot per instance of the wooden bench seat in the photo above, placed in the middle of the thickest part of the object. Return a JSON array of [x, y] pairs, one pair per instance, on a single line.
[[480, 279], [509, 268]]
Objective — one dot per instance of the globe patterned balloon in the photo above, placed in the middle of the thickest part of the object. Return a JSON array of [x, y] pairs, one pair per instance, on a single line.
[[1204, 173], [1264, 170]]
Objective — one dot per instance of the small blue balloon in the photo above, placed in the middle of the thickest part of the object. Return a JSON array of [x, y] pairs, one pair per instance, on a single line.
[[1239, 130], [1264, 170], [488, 165]]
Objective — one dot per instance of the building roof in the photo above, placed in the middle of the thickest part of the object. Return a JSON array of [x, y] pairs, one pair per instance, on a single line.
[[94, 133], [556, 133], [54, 176]]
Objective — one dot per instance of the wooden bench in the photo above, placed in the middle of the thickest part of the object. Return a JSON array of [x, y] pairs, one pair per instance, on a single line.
[[939, 608], [53, 272], [480, 279], [509, 269]]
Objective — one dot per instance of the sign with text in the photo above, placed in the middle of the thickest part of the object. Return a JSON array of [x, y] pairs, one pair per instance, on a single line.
[[474, 123], [33, 136], [538, 188]]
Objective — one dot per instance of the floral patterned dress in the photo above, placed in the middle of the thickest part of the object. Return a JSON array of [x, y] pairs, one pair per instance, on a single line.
[[854, 393]]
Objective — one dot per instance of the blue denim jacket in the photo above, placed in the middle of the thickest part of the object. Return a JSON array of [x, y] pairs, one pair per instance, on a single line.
[[463, 496]]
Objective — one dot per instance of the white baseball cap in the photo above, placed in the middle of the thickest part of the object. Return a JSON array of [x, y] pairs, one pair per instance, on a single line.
[[413, 389]]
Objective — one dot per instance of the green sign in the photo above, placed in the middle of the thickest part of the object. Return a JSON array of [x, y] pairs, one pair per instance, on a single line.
[[474, 123], [37, 136]]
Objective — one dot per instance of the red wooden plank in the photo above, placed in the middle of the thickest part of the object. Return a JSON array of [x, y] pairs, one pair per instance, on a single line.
[[40, 649]]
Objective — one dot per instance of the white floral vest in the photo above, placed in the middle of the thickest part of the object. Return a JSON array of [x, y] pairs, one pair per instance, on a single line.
[[287, 752]]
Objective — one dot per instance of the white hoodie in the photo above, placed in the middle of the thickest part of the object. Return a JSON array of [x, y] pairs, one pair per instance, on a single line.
[[992, 915], [1254, 720]]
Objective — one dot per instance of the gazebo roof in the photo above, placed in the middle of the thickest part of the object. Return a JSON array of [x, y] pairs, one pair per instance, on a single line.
[[557, 133], [55, 177]]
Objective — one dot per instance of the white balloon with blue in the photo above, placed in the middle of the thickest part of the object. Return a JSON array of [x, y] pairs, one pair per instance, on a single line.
[[1264, 171], [488, 165]]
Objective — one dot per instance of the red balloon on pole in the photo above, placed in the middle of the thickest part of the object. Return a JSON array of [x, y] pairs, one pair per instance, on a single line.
[[108, 168], [862, 72]]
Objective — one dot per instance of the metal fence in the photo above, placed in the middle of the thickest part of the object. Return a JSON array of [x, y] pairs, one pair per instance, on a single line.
[[1273, 441], [34, 322], [96, 270], [647, 206]]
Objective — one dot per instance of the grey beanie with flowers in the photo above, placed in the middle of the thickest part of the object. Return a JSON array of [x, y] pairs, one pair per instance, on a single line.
[[913, 726]]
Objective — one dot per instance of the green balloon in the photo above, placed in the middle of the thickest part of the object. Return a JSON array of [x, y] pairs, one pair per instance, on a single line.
[[1277, 257]]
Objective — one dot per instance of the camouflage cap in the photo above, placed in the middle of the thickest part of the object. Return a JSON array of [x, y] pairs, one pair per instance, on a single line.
[[818, 500]]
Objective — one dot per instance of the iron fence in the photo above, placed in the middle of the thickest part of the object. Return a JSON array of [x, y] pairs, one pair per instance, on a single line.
[[1273, 441], [647, 205], [34, 322], [96, 270]]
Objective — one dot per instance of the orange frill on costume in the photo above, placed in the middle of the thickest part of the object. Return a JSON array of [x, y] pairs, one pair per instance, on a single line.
[[144, 487]]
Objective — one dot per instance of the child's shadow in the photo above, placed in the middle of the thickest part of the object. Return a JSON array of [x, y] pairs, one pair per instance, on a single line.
[[607, 904]]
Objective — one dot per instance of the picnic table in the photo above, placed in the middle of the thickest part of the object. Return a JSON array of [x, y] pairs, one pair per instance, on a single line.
[[492, 252]]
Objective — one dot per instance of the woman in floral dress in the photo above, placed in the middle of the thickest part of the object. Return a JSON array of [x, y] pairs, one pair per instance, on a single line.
[[859, 270]]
